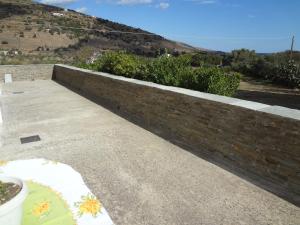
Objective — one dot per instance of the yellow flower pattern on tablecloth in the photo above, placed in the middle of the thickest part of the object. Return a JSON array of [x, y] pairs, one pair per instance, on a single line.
[[3, 163], [89, 205], [41, 208], [44, 205], [57, 194]]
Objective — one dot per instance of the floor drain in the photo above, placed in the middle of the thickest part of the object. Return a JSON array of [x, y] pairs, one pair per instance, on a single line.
[[18, 92], [26, 140]]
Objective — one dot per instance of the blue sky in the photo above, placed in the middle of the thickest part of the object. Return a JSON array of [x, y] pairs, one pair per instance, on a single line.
[[262, 25]]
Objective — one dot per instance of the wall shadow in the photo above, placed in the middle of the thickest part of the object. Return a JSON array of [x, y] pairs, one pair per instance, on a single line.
[[281, 99]]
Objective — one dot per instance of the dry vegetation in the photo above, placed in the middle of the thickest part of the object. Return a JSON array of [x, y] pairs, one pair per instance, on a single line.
[[34, 31]]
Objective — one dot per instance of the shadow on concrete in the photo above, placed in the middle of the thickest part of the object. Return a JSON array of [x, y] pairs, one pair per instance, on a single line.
[[281, 99], [225, 164]]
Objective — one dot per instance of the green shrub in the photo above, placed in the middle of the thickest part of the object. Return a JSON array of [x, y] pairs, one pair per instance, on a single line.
[[262, 69], [209, 59], [288, 74], [167, 70], [276, 68], [119, 63], [188, 80], [216, 81], [84, 65]]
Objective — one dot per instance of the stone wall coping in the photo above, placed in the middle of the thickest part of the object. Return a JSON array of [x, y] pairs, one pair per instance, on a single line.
[[22, 65], [275, 110]]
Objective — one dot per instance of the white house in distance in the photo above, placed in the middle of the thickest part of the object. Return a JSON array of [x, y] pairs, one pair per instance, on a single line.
[[4, 53], [57, 14]]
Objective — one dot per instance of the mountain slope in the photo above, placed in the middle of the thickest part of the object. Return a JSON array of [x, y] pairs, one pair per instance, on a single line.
[[38, 29]]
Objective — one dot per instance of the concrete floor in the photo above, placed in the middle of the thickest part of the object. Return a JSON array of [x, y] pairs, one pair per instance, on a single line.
[[139, 177]]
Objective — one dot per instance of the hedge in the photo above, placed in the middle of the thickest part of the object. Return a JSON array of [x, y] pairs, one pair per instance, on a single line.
[[167, 70]]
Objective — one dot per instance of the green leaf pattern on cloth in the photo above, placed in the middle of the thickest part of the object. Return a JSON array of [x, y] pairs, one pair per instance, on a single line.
[[44, 206]]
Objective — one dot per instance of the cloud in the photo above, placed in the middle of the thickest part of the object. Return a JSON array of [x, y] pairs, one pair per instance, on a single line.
[[133, 2], [81, 10], [57, 2], [163, 5], [203, 2]]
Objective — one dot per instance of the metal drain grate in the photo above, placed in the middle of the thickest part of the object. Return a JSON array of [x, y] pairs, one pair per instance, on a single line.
[[29, 139], [18, 92]]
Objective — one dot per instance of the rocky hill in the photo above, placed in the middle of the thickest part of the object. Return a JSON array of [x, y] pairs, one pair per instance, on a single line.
[[49, 33]]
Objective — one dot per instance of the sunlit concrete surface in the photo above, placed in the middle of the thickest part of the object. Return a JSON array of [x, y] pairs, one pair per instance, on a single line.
[[139, 177]]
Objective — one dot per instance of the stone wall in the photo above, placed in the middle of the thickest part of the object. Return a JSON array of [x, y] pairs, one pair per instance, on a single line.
[[27, 72], [256, 141]]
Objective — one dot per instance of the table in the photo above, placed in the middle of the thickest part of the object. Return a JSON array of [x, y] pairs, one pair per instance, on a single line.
[[57, 194]]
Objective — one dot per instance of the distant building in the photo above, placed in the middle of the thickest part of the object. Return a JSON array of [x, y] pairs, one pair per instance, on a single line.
[[11, 52], [57, 14], [4, 53], [94, 57]]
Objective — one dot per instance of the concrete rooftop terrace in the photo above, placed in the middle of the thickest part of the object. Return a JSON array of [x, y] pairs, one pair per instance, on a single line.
[[139, 177]]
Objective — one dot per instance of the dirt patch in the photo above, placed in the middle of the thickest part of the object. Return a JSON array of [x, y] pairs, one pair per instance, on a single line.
[[260, 91]]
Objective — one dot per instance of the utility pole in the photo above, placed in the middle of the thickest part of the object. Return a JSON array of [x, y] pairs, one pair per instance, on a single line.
[[19, 43], [292, 47]]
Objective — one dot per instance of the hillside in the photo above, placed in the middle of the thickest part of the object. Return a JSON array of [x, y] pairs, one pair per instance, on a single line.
[[41, 32]]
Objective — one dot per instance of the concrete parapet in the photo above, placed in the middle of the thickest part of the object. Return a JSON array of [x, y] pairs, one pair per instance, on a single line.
[[27, 72], [259, 141]]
